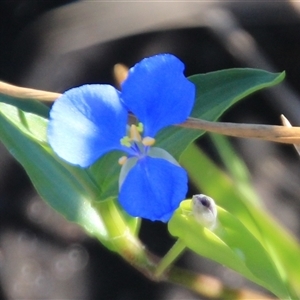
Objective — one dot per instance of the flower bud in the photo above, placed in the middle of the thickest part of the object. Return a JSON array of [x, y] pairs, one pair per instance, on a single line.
[[204, 210]]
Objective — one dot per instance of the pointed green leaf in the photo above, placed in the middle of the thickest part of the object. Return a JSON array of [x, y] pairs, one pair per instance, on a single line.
[[207, 177], [26, 105], [51, 179], [69, 190], [215, 93], [230, 244]]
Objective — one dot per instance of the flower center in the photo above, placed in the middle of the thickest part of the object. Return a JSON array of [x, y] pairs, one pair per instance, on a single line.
[[137, 146]]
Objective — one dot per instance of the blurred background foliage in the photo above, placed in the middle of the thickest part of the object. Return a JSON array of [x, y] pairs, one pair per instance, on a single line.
[[55, 45]]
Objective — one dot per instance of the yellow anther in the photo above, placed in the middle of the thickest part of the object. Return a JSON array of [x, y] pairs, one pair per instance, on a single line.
[[134, 133], [125, 141], [140, 127], [122, 160], [148, 141]]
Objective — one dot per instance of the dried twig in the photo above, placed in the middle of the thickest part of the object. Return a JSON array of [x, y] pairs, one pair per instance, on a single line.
[[26, 93], [279, 134]]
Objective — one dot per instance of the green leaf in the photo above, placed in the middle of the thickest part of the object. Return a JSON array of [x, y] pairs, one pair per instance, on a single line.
[[215, 93], [68, 189], [53, 182], [106, 173], [236, 167], [26, 105], [230, 244], [209, 179]]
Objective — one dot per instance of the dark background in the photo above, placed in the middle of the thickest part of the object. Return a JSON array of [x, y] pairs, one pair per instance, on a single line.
[[55, 45]]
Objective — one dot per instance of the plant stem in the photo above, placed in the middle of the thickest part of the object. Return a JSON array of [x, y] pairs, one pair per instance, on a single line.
[[170, 257], [207, 286]]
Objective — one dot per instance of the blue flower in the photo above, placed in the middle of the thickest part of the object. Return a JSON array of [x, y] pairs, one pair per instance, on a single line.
[[91, 120]]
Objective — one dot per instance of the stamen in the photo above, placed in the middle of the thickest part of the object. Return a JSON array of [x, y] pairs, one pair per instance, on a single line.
[[125, 141], [140, 127], [148, 141], [122, 160], [134, 133]]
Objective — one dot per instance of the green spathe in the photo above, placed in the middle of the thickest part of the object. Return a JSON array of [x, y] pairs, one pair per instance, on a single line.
[[230, 244]]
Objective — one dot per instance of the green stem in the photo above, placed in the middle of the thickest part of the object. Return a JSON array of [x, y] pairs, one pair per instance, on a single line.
[[169, 258]]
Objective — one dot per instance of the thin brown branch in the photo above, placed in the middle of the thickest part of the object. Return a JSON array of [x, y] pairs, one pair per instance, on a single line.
[[26, 93], [279, 134], [287, 123]]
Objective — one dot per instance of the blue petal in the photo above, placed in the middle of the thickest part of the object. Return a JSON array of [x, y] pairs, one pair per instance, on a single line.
[[86, 122], [153, 189], [158, 93]]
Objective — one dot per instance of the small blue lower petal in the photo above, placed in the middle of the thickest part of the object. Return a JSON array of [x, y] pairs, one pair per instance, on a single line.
[[158, 93], [86, 122], [153, 189]]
